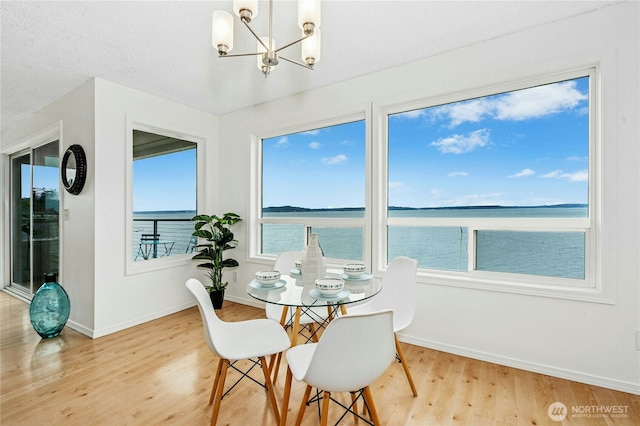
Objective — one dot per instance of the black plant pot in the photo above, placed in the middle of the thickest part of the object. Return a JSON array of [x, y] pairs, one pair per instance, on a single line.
[[217, 297]]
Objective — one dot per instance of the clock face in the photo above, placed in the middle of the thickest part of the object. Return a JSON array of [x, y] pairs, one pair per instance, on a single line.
[[74, 169]]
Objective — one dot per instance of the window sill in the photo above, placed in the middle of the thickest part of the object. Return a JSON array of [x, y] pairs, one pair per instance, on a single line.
[[519, 284], [144, 266]]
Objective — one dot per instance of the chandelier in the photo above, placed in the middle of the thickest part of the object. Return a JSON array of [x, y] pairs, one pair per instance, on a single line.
[[267, 54]]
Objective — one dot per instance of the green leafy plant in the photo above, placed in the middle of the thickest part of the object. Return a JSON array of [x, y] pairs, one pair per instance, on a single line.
[[216, 230]]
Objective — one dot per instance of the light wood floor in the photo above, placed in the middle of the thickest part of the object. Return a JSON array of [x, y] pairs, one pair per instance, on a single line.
[[161, 372]]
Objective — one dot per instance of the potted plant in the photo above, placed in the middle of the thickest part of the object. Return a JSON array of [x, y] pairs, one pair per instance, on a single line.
[[216, 230]]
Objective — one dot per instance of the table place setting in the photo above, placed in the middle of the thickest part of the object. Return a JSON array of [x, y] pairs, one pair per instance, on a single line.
[[329, 289], [355, 272], [268, 280]]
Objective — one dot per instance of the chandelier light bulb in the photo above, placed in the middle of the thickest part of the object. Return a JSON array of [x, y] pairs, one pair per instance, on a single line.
[[222, 31], [309, 15], [311, 48], [246, 9]]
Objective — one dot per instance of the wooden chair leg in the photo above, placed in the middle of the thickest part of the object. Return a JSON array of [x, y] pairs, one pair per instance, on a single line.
[[216, 380], [329, 313], [354, 406], [296, 327], [276, 370], [303, 405], [269, 385], [278, 357], [220, 390], [314, 333], [285, 398], [325, 408], [405, 366], [368, 397]]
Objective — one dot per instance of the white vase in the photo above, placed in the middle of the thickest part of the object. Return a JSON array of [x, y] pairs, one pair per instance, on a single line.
[[314, 264]]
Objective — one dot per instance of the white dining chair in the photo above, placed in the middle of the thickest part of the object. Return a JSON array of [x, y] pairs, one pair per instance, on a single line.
[[353, 352], [285, 262], [398, 294], [233, 341]]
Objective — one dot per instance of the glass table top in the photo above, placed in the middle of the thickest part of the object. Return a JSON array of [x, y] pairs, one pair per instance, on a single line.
[[292, 291]]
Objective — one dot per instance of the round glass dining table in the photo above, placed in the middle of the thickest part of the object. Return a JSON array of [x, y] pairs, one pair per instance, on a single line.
[[291, 291]]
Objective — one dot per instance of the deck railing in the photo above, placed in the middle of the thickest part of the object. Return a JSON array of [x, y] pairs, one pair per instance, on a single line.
[[177, 231]]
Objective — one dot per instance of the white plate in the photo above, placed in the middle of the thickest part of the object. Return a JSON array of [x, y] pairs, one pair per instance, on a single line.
[[363, 277], [295, 271], [278, 284], [314, 292]]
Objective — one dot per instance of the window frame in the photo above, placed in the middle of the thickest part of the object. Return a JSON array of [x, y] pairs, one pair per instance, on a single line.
[[45, 136], [376, 221], [588, 289], [255, 203], [164, 129]]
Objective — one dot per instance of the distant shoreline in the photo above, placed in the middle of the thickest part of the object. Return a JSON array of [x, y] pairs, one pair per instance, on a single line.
[[286, 209], [289, 209]]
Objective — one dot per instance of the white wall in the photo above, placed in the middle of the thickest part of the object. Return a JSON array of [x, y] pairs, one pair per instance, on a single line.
[[104, 299], [584, 341], [73, 113], [124, 300]]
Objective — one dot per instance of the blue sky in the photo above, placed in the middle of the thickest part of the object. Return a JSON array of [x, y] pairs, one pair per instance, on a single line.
[[315, 169], [528, 147], [165, 182]]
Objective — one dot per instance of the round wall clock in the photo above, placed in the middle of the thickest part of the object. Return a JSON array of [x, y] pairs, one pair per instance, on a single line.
[[74, 169]]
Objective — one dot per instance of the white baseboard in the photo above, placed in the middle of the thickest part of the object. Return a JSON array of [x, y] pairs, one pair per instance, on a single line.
[[576, 376], [122, 326], [80, 328], [243, 301]]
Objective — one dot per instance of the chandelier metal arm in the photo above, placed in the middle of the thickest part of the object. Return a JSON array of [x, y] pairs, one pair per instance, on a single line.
[[309, 67], [255, 35], [293, 42], [235, 55]]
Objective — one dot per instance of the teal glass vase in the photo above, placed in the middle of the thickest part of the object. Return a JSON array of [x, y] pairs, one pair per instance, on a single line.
[[50, 308]]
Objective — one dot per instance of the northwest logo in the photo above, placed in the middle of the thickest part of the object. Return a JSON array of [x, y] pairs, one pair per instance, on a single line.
[[557, 411]]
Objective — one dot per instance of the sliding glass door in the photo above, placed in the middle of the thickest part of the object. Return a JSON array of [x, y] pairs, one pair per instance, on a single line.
[[35, 216]]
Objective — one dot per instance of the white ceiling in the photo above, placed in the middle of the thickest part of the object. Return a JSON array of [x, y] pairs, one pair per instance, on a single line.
[[48, 48]]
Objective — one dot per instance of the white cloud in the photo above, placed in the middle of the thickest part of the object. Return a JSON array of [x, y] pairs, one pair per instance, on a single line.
[[519, 105], [311, 132], [461, 144], [314, 145], [538, 101], [458, 174], [578, 158], [522, 174], [282, 142], [394, 185], [579, 176], [331, 161], [462, 112]]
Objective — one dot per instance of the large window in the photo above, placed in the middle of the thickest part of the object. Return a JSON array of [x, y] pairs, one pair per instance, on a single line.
[[164, 183], [35, 216], [314, 181], [494, 184], [498, 190]]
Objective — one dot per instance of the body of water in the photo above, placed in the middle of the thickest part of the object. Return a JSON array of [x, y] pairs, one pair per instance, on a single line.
[[557, 254]]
